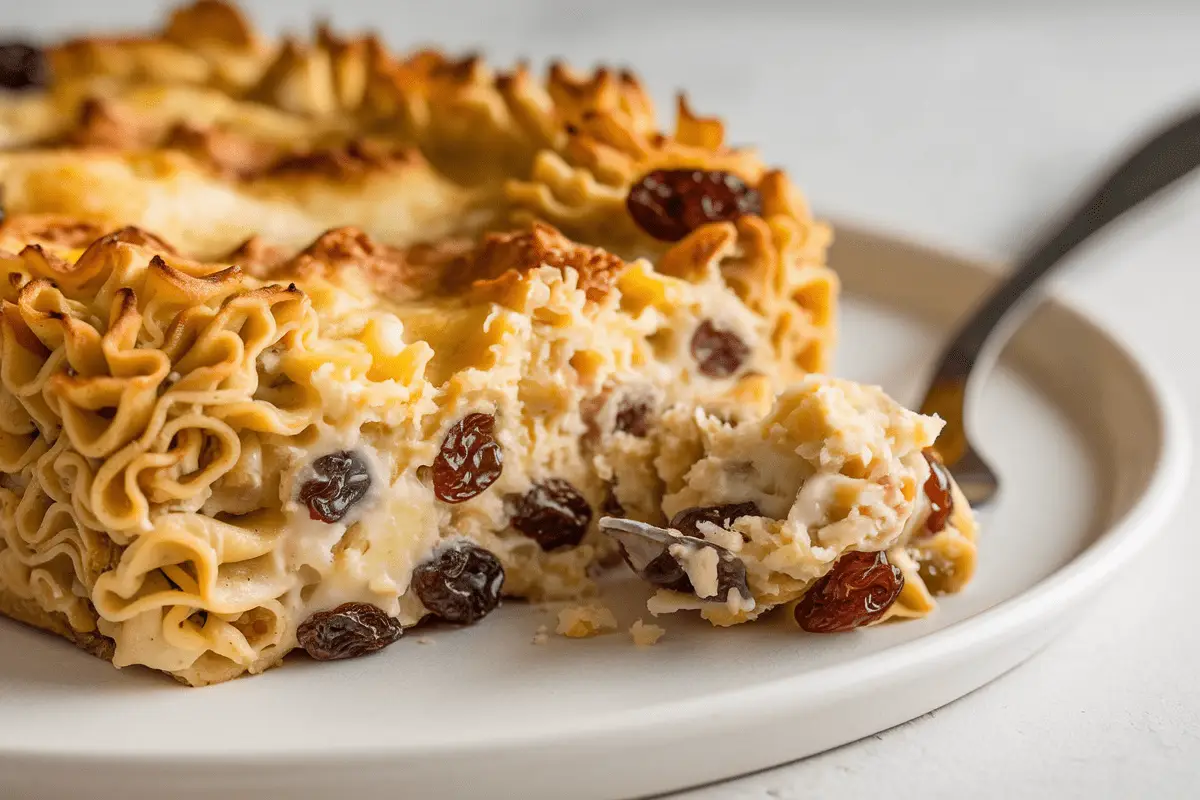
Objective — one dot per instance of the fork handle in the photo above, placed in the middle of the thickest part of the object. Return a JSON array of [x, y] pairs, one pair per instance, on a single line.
[[1160, 161]]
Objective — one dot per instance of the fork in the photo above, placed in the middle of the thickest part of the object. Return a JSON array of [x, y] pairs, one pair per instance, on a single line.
[[1162, 159]]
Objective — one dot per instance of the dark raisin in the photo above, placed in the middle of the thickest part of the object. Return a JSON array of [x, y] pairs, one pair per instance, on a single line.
[[633, 417], [937, 489], [554, 514], [663, 570], [339, 481], [22, 66], [859, 589], [461, 583], [611, 507], [470, 459], [719, 352], [348, 631], [688, 521], [668, 204], [731, 574], [653, 553]]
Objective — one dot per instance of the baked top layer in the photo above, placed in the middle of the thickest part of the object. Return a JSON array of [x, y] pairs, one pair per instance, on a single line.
[[289, 326], [207, 133]]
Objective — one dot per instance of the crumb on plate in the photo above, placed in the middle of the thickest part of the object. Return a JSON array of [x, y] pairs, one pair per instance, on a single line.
[[646, 635], [579, 622]]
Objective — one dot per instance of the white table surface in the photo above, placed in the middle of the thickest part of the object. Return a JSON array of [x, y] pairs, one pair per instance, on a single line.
[[964, 125]]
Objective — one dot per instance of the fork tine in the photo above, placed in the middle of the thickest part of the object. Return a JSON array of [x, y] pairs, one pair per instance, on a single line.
[[978, 483]]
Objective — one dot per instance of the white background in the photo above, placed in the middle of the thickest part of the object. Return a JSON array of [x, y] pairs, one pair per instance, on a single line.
[[965, 125]]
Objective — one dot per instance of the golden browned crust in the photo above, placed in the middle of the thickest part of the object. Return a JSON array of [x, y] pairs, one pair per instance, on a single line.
[[388, 269], [228, 153], [103, 125], [211, 21], [295, 116], [53, 229], [352, 159], [139, 238], [454, 109], [450, 266], [256, 255], [509, 255]]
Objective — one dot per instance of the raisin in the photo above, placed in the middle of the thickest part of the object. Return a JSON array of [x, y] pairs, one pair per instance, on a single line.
[[731, 573], [859, 589], [633, 417], [663, 570], [937, 489], [348, 631], [611, 506], [22, 66], [688, 521], [461, 583], [470, 459], [719, 352], [554, 514], [647, 550], [339, 481], [668, 204]]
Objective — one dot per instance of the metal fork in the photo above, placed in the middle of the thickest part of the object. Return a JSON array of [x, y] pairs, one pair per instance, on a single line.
[[1161, 160]]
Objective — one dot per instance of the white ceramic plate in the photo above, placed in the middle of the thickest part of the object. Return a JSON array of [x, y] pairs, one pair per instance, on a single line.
[[1091, 449]]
